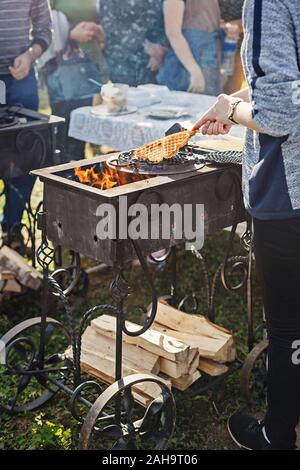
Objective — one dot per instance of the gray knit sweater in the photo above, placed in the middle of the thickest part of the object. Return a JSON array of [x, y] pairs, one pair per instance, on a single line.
[[271, 56]]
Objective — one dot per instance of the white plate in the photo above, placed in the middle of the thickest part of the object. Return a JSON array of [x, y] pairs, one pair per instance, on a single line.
[[101, 110], [160, 92], [140, 98], [166, 112]]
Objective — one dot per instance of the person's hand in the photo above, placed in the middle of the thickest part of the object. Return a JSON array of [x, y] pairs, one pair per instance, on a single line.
[[232, 30], [215, 121], [197, 82], [83, 32], [22, 65], [215, 128], [156, 53]]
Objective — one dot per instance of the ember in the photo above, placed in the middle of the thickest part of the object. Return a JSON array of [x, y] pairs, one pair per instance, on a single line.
[[106, 178]]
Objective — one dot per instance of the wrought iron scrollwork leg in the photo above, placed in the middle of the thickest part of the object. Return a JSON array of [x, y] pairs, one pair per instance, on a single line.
[[24, 244], [22, 368], [136, 429], [254, 373], [129, 427], [232, 266]]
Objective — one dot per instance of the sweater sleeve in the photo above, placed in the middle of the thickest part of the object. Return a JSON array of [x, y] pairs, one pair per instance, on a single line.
[[41, 23], [272, 66]]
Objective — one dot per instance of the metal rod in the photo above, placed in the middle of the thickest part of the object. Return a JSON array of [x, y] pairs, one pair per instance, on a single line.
[[251, 333], [96, 269], [119, 353], [66, 389], [45, 305], [174, 277], [82, 400], [119, 335]]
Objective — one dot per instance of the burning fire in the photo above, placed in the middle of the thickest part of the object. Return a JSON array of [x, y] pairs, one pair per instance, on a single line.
[[107, 178]]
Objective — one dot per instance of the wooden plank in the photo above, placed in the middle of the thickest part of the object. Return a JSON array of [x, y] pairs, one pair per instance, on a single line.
[[10, 260], [212, 368], [153, 341], [185, 381], [133, 355], [12, 286], [211, 348], [173, 369], [103, 367], [138, 396], [6, 275], [232, 354], [177, 369], [180, 321], [194, 362]]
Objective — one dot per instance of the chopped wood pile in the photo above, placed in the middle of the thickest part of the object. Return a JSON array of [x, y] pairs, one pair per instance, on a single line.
[[16, 276], [178, 347]]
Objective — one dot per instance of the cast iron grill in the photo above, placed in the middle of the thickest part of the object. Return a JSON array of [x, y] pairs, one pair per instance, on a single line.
[[28, 140], [7, 118], [217, 188], [190, 158]]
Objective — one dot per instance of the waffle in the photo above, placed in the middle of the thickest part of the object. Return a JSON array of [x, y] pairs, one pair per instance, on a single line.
[[166, 147]]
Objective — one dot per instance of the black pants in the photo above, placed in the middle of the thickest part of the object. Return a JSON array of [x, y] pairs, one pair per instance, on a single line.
[[277, 252]]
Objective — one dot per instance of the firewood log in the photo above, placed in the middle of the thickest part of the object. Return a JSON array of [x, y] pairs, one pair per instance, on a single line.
[[133, 356], [10, 260], [212, 368], [153, 341]]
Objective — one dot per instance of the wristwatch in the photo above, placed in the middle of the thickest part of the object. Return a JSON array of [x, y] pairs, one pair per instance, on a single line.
[[232, 108]]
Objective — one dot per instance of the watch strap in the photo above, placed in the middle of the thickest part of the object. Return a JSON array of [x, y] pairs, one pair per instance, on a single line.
[[232, 111]]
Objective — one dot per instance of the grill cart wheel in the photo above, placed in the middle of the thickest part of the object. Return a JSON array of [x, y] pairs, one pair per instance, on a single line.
[[115, 421], [254, 371], [29, 384]]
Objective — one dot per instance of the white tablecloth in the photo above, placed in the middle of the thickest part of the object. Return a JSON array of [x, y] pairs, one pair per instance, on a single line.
[[133, 130]]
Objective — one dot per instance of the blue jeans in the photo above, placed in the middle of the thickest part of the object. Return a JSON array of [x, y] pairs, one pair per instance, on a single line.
[[24, 93], [206, 49]]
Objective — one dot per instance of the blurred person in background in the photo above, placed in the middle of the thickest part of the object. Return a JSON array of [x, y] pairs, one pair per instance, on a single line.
[[193, 61], [231, 12], [25, 33], [79, 58], [134, 39]]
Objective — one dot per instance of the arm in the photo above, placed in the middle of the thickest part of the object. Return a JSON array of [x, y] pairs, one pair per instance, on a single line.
[[272, 72], [215, 121], [273, 69], [243, 94], [237, 23], [41, 24], [173, 13]]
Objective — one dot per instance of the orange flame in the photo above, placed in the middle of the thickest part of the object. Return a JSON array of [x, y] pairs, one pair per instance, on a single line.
[[107, 178]]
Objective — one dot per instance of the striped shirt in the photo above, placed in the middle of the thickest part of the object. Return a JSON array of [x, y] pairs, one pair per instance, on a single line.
[[22, 24]]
